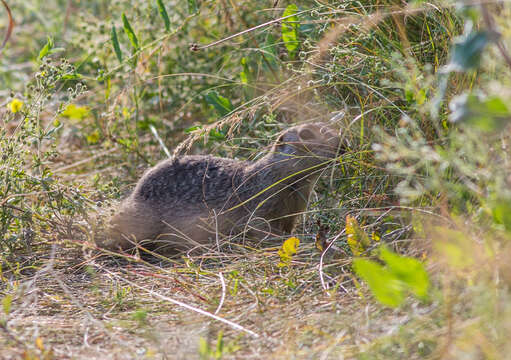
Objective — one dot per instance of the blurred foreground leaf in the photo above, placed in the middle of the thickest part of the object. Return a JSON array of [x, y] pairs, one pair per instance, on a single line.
[[390, 283], [485, 114], [408, 270], [387, 290], [467, 50], [501, 211], [455, 248]]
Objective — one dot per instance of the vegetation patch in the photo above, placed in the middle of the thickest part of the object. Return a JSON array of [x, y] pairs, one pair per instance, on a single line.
[[402, 251]]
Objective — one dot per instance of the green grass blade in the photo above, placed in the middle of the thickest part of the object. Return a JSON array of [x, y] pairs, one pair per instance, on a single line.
[[129, 31], [115, 43], [192, 6], [163, 14]]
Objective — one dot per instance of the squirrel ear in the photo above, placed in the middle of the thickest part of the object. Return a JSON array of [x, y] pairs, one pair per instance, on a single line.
[[306, 134]]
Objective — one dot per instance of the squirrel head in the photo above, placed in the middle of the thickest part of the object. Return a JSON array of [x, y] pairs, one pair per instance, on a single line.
[[314, 142]]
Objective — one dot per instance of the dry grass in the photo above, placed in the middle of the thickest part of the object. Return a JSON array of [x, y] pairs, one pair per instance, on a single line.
[[83, 304]]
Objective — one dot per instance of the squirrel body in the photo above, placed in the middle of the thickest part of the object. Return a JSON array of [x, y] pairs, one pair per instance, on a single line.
[[189, 202]]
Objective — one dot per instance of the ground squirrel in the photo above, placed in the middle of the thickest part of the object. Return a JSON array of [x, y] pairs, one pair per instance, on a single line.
[[189, 202]]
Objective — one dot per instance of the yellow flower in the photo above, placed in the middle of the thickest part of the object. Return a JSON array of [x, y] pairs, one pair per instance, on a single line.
[[75, 112], [289, 248], [15, 105]]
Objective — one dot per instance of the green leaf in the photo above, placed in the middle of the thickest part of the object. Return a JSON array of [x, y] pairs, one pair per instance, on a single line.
[[48, 49], [216, 135], [290, 30], [57, 127], [129, 31], [222, 105], [115, 43], [192, 128], [213, 134], [385, 287], [467, 50], [192, 6], [486, 114], [408, 270], [74, 76], [163, 14]]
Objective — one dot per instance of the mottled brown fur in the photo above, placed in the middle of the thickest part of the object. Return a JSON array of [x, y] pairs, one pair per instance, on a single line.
[[190, 202]]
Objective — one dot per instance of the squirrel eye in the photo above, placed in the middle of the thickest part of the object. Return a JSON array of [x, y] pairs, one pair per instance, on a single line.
[[306, 134], [324, 130]]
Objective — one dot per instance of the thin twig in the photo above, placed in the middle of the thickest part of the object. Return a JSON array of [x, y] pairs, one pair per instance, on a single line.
[[10, 27], [9, 197], [321, 276], [223, 293], [160, 141], [186, 306], [84, 161], [490, 24], [196, 47]]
